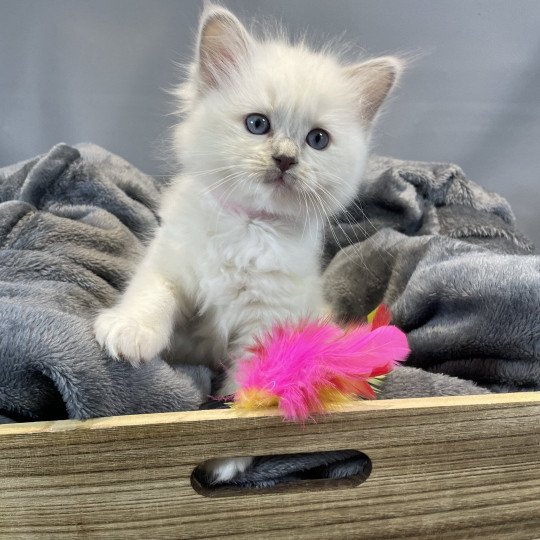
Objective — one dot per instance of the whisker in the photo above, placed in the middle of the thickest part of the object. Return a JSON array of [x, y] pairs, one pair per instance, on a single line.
[[351, 244], [222, 181], [344, 212]]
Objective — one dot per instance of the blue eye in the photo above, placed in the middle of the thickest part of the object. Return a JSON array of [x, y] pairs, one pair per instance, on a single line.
[[257, 124], [318, 139]]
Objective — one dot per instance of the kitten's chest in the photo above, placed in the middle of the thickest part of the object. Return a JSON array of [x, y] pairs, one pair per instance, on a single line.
[[253, 263]]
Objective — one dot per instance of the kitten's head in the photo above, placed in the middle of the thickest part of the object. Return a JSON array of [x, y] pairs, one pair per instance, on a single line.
[[277, 127]]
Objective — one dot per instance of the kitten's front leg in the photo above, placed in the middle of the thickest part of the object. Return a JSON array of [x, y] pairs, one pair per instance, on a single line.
[[140, 326]]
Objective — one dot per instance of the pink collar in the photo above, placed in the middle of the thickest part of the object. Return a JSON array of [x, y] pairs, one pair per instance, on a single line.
[[249, 213]]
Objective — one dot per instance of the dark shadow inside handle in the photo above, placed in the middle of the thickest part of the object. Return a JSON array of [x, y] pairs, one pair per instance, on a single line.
[[308, 471]]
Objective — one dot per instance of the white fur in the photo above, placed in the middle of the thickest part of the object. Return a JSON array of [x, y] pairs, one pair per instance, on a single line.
[[237, 250]]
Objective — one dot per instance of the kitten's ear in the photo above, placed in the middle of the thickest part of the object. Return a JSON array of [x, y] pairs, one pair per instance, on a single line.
[[222, 45], [374, 80]]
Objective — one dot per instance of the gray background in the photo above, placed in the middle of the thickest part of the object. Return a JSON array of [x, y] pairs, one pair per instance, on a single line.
[[77, 70]]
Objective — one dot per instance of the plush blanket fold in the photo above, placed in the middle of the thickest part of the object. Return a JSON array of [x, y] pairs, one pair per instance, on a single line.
[[72, 225], [445, 255], [440, 250]]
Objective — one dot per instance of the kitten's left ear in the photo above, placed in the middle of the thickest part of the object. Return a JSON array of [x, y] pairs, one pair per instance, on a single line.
[[374, 80], [222, 45]]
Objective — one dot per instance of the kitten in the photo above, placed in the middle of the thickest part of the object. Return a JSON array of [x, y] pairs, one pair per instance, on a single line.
[[274, 140]]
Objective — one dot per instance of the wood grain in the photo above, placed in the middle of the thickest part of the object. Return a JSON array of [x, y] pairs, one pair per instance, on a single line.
[[454, 467]]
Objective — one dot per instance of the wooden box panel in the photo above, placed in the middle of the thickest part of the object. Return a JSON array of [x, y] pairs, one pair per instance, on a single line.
[[452, 467]]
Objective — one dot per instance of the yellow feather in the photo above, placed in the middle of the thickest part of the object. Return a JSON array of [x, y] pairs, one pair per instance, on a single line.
[[254, 398]]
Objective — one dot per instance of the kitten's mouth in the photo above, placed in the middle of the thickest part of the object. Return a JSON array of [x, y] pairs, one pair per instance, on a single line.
[[279, 180]]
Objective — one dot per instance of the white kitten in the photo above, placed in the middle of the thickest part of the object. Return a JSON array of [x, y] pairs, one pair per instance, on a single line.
[[274, 140]]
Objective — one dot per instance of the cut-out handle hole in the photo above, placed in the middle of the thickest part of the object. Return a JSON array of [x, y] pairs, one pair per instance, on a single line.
[[308, 471]]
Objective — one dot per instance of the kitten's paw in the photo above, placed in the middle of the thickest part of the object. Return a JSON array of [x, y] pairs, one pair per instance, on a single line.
[[221, 470], [125, 337]]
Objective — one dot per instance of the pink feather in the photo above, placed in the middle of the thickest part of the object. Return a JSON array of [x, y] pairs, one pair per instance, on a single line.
[[296, 363]]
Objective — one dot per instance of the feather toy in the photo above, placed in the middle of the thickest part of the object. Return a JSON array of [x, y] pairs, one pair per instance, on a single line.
[[316, 365]]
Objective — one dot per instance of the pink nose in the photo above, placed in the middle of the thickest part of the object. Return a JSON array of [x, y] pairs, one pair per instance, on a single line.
[[284, 162]]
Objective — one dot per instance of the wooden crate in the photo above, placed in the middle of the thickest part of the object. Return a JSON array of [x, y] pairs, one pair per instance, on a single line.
[[453, 467]]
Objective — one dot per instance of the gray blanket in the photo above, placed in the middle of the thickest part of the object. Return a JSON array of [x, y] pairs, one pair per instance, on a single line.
[[445, 255], [441, 251]]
